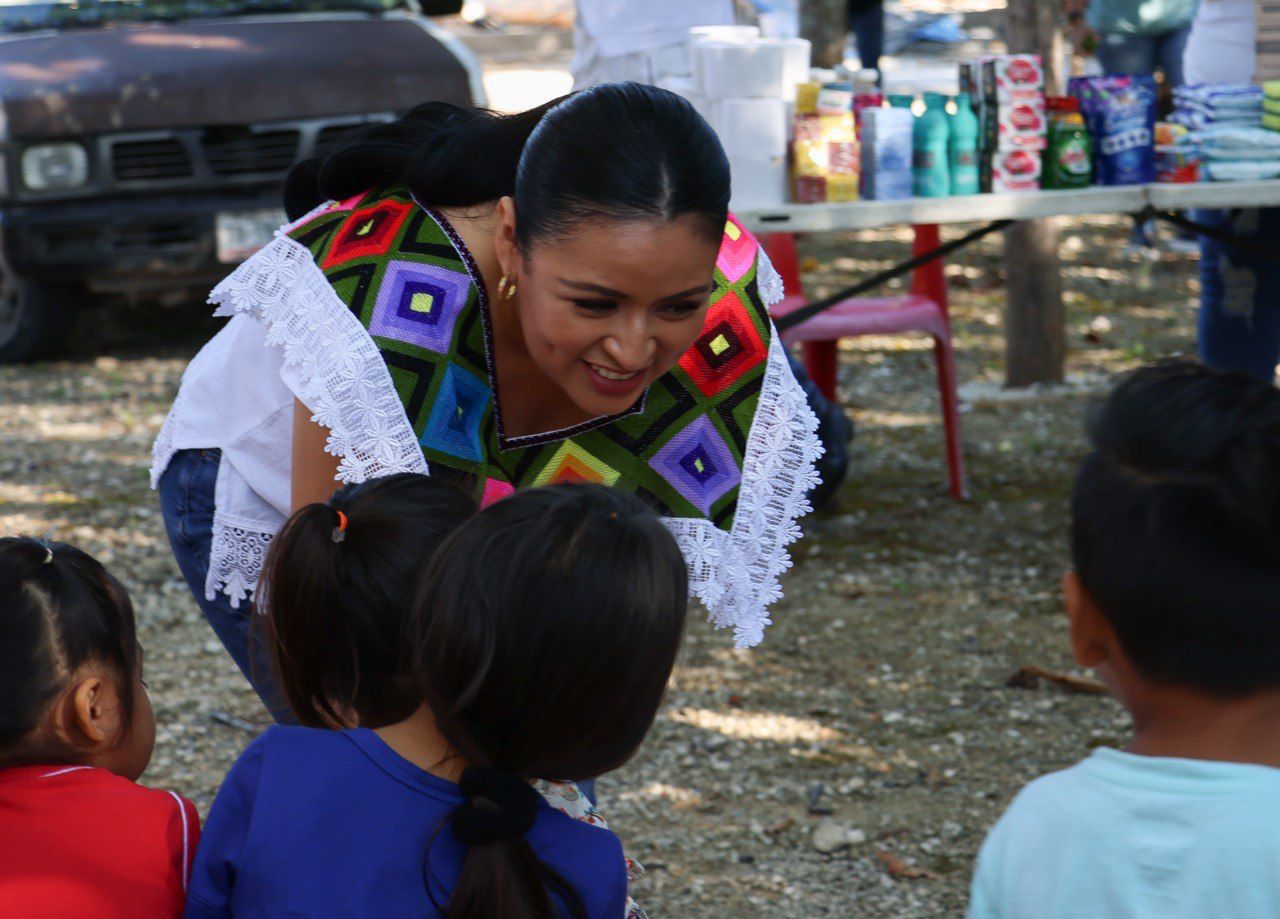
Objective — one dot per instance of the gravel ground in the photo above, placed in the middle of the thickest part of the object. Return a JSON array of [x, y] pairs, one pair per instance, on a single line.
[[878, 700]]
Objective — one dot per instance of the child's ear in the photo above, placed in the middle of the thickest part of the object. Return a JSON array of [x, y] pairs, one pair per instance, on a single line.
[[1087, 625], [92, 712]]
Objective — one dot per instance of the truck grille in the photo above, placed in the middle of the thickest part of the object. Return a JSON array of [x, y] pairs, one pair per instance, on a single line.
[[232, 152], [210, 156], [329, 138], [148, 160]]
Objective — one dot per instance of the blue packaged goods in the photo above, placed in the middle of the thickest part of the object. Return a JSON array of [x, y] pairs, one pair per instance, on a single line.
[[1121, 113]]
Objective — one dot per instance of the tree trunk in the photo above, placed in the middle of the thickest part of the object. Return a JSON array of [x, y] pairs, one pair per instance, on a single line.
[[1035, 324], [826, 24]]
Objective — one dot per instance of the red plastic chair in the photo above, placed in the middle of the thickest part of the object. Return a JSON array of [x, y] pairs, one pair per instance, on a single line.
[[924, 309]]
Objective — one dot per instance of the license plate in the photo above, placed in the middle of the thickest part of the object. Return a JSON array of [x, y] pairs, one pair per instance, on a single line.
[[242, 233]]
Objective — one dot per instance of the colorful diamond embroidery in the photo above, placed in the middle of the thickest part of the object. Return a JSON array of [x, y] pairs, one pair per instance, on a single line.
[[367, 232], [454, 425], [699, 464], [495, 490], [728, 347], [419, 303], [737, 251], [571, 463]]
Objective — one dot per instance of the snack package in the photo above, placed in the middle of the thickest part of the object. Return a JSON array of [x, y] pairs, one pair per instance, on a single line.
[[1015, 170], [1015, 123], [1121, 113]]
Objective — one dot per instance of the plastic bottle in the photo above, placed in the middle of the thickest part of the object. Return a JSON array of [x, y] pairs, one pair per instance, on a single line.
[[901, 100], [963, 148], [866, 93], [1068, 161], [930, 174]]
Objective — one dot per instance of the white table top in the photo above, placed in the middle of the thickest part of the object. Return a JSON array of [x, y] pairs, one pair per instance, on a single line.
[[1112, 199]]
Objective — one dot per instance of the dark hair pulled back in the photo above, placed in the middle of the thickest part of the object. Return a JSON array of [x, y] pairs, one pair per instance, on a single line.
[[545, 633], [59, 609], [336, 610], [619, 151]]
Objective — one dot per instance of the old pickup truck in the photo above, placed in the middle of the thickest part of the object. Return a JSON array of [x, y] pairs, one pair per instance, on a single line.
[[143, 142]]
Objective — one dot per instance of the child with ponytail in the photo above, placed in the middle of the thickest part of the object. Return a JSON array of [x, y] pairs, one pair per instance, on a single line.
[[539, 645], [78, 835]]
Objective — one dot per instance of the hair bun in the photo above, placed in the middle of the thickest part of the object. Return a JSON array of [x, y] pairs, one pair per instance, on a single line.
[[499, 806]]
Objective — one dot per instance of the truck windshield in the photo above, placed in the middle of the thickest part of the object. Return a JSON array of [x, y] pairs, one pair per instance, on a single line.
[[24, 16]]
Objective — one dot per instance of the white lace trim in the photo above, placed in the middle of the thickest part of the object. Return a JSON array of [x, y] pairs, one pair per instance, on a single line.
[[236, 558], [768, 280], [340, 374], [335, 369], [735, 574]]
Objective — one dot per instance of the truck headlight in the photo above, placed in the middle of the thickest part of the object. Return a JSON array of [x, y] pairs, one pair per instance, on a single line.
[[49, 167]]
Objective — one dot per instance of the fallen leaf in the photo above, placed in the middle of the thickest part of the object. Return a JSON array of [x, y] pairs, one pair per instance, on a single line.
[[898, 868]]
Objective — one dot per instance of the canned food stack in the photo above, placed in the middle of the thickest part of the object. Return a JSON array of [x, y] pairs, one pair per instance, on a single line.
[[1011, 116], [745, 86]]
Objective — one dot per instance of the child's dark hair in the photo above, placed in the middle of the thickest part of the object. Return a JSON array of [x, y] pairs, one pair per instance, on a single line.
[[622, 151], [337, 596], [59, 609], [1176, 525], [546, 630]]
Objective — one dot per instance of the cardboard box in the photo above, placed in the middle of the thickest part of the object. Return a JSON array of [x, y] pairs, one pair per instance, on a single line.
[[1012, 73]]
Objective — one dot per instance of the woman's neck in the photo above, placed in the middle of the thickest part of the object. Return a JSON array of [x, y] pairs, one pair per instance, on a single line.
[[532, 403], [418, 739]]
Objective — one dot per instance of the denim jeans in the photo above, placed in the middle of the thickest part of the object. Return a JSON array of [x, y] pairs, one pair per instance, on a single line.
[[1120, 52], [187, 501], [1239, 326], [866, 22]]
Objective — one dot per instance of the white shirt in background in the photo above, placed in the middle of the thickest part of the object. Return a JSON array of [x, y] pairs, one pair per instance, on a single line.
[[1221, 47], [641, 40]]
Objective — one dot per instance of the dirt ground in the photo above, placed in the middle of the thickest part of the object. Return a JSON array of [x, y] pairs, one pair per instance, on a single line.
[[879, 695]]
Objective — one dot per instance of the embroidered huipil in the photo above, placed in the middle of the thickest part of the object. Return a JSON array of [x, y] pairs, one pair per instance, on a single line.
[[379, 323]]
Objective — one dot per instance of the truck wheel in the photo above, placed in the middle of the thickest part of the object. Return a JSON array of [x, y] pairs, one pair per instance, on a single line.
[[35, 319]]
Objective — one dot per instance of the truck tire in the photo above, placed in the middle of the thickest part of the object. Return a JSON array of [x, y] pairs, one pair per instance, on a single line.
[[35, 319]]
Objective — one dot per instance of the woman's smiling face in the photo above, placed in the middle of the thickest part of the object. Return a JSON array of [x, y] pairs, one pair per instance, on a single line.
[[611, 307]]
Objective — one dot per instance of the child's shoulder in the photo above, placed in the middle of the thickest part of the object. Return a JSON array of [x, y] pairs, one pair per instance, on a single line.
[[106, 790], [588, 854]]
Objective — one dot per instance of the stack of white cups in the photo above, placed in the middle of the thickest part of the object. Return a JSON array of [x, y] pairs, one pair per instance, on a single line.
[[745, 85]]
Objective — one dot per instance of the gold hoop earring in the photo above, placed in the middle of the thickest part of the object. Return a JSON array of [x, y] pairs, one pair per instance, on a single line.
[[506, 287]]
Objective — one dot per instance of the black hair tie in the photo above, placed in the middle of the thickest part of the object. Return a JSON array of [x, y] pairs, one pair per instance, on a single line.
[[499, 806]]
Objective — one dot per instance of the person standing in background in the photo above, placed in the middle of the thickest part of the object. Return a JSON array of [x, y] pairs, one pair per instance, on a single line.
[[618, 40], [1239, 327], [866, 22], [1135, 37]]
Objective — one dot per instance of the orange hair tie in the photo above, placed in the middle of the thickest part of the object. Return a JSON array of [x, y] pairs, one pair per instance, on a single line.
[[340, 531]]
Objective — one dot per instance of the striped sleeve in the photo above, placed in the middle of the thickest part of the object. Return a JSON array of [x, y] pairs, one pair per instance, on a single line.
[[184, 833]]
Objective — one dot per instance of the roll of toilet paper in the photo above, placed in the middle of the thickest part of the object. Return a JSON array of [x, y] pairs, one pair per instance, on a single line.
[[752, 127], [757, 182], [739, 69]]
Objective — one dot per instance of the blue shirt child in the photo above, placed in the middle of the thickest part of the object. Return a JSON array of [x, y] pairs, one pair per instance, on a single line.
[[335, 823]]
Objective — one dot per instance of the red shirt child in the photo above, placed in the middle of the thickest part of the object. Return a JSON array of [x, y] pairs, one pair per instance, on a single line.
[[76, 841], [79, 838]]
